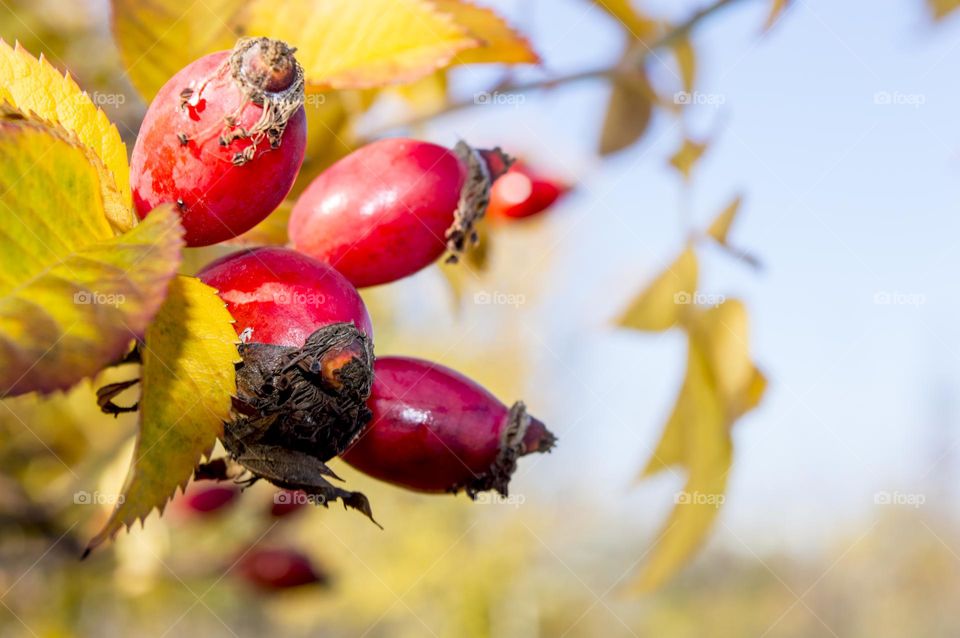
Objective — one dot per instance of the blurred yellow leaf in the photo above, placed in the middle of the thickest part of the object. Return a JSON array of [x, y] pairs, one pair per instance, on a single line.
[[720, 226], [34, 85], [272, 231], [72, 294], [777, 7], [187, 383], [473, 262], [664, 302], [500, 42], [426, 95], [157, 39], [628, 112], [639, 26], [721, 384], [686, 57], [349, 44], [687, 156]]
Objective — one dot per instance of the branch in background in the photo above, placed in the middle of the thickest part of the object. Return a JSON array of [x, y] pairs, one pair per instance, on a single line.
[[674, 35]]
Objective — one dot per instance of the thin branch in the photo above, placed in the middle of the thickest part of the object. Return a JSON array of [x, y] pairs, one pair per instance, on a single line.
[[675, 34]]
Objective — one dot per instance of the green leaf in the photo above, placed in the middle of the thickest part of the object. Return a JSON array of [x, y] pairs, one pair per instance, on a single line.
[[72, 293], [187, 382]]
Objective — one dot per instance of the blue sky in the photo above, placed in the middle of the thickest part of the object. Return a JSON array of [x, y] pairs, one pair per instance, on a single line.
[[845, 199]]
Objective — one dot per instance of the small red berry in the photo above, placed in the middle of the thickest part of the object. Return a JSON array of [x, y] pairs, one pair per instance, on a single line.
[[393, 207], [208, 498], [523, 193], [435, 430], [286, 502], [277, 569], [280, 296], [223, 140]]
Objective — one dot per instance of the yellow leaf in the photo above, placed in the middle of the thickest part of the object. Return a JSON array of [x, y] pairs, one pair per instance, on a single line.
[[664, 302], [426, 95], [777, 7], [34, 85], [272, 231], [187, 383], [72, 294], [628, 112], [687, 156], [721, 384], [348, 44], [720, 227], [686, 57], [639, 26], [500, 42], [157, 39]]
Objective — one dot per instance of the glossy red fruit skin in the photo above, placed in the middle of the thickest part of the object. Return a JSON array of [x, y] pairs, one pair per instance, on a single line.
[[217, 200], [280, 296], [209, 499], [381, 212], [277, 569], [433, 429], [543, 193]]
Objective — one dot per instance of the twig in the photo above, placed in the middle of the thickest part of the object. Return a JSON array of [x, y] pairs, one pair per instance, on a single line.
[[671, 37]]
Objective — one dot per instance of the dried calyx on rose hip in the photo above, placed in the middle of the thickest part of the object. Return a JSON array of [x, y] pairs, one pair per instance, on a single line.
[[223, 140], [306, 373], [393, 207], [434, 430]]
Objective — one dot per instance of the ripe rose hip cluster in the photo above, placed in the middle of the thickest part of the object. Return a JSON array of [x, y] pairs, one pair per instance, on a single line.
[[224, 140]]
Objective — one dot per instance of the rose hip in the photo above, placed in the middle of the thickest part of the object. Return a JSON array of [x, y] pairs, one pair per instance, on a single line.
[[393, 207], [435, 430], [223, 140], [278, 569], [209, 498], [280, 296], [521, 193], [307, 368]]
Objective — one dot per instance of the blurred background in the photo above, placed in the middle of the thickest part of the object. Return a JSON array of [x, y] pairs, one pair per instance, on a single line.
[[837, 125]]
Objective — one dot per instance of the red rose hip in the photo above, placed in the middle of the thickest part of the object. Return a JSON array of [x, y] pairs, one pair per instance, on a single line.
[[393, 207], [434, 430], [223, 140], [521, 193], [278, 569], [280, 296], [307, 368]]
